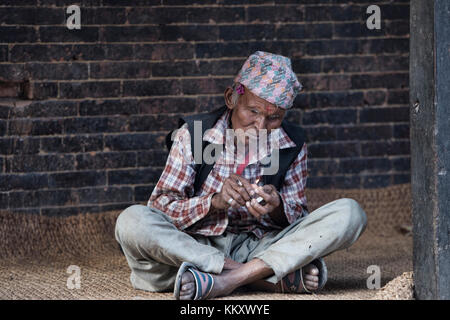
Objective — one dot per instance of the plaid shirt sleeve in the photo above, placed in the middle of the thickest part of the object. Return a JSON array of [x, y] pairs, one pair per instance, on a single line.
[[292, 192], [174, 192]]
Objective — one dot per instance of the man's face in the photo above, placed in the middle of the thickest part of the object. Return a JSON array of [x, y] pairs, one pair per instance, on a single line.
[[254, 113]]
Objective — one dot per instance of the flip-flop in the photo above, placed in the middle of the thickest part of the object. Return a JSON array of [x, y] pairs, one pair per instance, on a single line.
[[293, 282], [204, 282]]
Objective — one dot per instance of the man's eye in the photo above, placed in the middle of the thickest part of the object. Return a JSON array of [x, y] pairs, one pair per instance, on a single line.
[[254, 111]]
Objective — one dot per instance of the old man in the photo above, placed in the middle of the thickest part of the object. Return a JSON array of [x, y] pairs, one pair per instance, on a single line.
[[211, 227]]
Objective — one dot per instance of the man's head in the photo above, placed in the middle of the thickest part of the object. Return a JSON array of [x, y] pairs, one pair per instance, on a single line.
[[263, 89], [251, 111]]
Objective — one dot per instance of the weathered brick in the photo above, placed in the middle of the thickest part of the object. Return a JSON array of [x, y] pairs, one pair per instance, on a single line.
[[333, 150], [76, 179], [398, 114], [57, 71], [243, 32], [15, 34], [304, 31], [385, 148], [70, 144], [131, 3], [364, 165], [394, 80], [57, 52], [130, 33], [401, 164], [35, 127], [3, 53], [154, 158], [40, 163], [133, 176], [95, 124], [205, 85], [25, 145], [23, 199], [4, 200], [376, 181], [142, 193], [151, 87], [330, 116], [377, 97], [166, 105], [63, 34], [2, 127], [333, 13], [104, 195], [320, 133], [334, 99], [91, 89], [43, 90], [23, 181], [123, 70], [45, 109], [169, 51], [99, 16], [153, 122], [356, 30], [401, 178], [13, 72], [108, 107], [103, 160], [398, 97], [401, 131], [135, 141], [383, 132]]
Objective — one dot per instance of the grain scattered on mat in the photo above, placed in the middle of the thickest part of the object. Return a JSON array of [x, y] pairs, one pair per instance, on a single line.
[[400, 288]]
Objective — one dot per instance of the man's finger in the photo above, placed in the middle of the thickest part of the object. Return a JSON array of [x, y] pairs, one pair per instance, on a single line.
[[258, 208], [242, 182], [252, 211], [231, 194], [240, 189]]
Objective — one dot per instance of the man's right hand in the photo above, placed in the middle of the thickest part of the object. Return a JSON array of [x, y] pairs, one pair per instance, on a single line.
[[235, 191]]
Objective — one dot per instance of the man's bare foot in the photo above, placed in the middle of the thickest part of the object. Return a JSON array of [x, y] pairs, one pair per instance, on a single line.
[[221, 286], [310, 278]]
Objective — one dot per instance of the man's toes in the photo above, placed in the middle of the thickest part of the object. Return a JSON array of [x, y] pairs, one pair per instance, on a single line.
[[311, 278], [188, 287], [312, 270], [311, 285]]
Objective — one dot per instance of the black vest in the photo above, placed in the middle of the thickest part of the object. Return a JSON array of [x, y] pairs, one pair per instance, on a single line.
[[286, 156]]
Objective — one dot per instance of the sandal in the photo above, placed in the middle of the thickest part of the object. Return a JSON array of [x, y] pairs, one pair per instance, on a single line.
[[204, 282], [293, 282]]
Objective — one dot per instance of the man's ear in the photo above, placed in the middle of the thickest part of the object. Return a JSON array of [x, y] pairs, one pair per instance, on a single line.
[[228, 98]]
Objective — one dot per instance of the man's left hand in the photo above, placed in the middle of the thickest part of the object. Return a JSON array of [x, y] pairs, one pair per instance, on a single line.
[[269, 193]]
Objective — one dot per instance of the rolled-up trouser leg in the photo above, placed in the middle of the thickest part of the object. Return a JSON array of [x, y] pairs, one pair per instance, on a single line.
[[155, 248], [334, 226]]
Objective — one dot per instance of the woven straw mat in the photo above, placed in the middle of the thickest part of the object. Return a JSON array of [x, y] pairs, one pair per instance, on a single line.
[[36, 252]]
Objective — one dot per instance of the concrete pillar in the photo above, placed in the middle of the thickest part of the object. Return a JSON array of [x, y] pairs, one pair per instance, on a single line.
[[430, 146]]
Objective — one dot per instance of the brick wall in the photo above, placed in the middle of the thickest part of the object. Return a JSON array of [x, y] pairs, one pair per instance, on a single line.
[[84, 113]]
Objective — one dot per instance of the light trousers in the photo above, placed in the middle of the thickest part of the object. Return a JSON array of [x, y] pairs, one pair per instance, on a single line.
[[155, 248]]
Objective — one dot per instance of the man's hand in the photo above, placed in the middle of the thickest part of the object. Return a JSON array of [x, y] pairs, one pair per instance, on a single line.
[[235, 192], [269, 193]]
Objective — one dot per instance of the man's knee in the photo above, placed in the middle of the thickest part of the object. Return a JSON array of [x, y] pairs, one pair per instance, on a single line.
[[128, 218], [354, 216]]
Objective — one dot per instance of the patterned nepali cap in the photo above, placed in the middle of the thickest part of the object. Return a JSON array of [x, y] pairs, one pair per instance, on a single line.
[[270, 77]]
